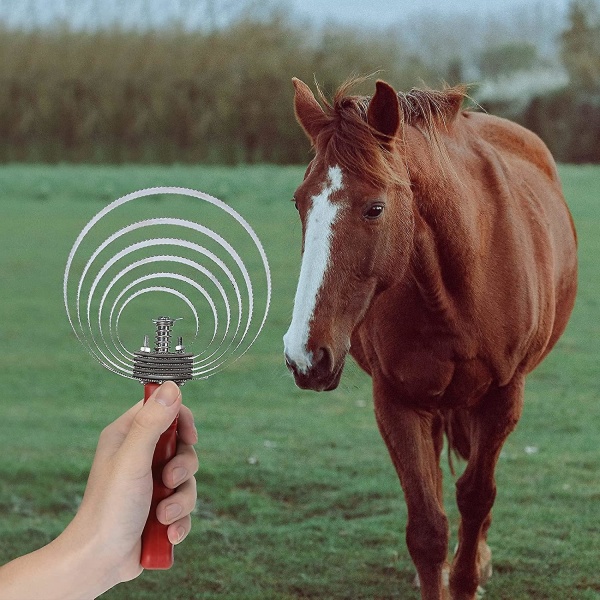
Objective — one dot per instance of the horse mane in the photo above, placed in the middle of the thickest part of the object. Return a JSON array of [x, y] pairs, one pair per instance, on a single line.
[[358, 148]]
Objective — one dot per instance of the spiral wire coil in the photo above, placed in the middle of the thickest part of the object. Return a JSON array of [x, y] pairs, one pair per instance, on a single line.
[[198, 268]]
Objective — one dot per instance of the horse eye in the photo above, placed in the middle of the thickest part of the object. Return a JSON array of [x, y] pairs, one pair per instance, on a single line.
[[295, 204], [374, 211]]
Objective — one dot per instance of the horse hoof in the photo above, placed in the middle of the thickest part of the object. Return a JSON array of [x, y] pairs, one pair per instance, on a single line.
[[417, 581], [485, 563], [445, 579]]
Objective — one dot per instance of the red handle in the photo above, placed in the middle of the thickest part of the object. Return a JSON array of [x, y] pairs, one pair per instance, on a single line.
[[157, 550]]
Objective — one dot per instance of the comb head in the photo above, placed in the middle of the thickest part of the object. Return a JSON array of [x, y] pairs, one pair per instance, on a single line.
[[162, 364], [139, 256], [154, 367]]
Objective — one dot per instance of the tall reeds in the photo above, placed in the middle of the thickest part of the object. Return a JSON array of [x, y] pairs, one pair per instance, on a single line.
[[172, 94]]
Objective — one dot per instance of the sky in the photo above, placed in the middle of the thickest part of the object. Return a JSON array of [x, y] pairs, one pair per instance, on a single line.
[[368, 13], [377, 12]]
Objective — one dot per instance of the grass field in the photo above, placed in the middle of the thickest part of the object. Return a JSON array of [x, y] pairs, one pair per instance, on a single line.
[[297, 495]]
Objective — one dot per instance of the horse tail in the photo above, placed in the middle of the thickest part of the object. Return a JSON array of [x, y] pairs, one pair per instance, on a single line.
[[456, 427]]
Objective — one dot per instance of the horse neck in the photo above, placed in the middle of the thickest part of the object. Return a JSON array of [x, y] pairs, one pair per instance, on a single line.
[[442, 259]]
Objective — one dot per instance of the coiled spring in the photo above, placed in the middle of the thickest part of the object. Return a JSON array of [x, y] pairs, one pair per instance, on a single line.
[[163, 334]]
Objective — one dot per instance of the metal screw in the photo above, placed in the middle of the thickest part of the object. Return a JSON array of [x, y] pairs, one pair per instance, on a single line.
[[145, 347]]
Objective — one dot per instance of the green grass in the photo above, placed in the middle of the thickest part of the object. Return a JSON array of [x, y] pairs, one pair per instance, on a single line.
[[319, 513]]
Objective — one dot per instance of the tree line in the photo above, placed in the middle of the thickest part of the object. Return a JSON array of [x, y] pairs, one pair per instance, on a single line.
[[568, 118], [224, 94], [170, 95]]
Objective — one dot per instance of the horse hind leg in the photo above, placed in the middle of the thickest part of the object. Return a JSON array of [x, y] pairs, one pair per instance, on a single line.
[[491, 422], [457, 424]]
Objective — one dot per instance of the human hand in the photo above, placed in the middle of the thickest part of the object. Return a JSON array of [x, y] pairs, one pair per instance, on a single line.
[[119, 490], [101, 547]]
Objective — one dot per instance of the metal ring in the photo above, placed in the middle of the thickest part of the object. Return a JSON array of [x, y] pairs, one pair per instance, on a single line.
[[232, 335]]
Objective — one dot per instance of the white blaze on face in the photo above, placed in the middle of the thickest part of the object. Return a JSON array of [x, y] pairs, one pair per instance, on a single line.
[[315, 262]]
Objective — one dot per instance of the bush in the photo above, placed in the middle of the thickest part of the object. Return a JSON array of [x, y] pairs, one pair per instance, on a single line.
[[569, 122]]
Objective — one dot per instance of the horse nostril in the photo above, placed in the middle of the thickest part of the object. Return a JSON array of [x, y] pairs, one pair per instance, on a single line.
[[324, 360], [320, 365]]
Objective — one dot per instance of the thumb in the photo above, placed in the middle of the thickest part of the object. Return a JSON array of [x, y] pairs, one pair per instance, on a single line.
[[149, 423]]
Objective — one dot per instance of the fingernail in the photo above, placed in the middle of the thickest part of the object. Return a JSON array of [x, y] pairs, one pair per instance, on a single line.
[[179, 475], [167, 394], [180, 534], [173, 511]]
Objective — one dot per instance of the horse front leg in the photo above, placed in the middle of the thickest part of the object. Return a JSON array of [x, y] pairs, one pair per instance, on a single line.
[[492, 421], [413, 441]]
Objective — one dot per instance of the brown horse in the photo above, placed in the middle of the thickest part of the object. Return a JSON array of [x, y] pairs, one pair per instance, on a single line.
[[439, 252]]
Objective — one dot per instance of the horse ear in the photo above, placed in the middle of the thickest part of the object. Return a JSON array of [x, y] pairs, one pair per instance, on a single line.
[[309, 113], [383, 114]]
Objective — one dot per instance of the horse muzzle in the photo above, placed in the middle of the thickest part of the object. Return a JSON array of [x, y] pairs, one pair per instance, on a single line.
[[323, 375]]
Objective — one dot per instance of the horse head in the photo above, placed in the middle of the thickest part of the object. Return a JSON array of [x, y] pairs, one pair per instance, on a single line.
[[355, 205]]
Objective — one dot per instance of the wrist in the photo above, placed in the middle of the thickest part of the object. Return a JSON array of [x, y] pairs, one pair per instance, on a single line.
[[65, 569], [83, 563]]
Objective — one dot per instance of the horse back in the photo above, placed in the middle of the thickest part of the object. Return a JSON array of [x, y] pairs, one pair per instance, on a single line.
[[514, 142], [505, 241]]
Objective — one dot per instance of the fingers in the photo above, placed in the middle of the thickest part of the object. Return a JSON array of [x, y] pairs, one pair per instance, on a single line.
[[179, 505], [181, 467], [112, 435], [122, 425], [178, 531], [179, 474], [186, 428], [148, 423]]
